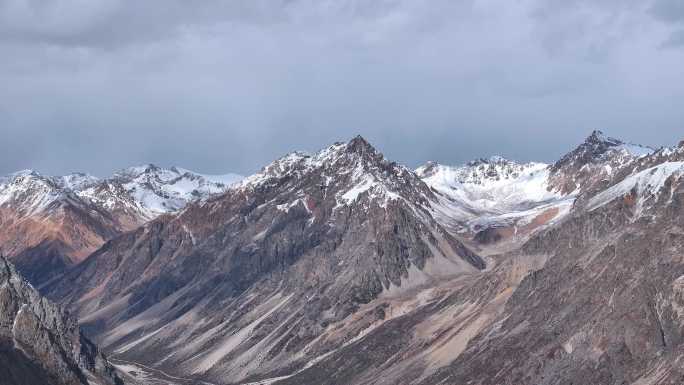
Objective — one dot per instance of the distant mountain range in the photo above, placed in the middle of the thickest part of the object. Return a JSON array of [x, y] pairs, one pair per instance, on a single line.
[[343, 267], [52, 222]]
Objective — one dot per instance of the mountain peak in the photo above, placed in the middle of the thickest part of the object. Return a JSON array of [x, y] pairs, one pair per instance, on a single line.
[[596, 147], [26, 172], [598, 138], [493, 160], [596, 135], [343, 157], [597, 150], [360, 146], [143, 169]]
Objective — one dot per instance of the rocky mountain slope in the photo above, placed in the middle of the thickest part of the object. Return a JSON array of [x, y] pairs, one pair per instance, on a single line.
[[594, 162], [39, 343], [591, 299], [345, 268], [271, 276], [603, 306], [50, 223], [498, 199]]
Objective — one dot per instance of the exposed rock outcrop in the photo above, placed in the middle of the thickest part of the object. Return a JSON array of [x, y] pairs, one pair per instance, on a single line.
[[41, 344]]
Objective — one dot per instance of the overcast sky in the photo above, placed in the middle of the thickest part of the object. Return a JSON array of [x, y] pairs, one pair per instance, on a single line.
[[227, 86]]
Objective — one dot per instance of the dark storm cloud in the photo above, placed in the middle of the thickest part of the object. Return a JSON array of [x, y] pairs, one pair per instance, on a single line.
[[222, 86]]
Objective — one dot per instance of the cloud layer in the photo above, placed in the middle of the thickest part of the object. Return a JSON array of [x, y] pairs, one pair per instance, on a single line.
[[220, 86]]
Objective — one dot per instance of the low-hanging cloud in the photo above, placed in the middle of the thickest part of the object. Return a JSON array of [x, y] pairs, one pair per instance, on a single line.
[[222, 86]]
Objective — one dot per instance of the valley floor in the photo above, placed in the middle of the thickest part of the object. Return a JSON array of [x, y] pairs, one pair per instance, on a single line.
[[140, 374]]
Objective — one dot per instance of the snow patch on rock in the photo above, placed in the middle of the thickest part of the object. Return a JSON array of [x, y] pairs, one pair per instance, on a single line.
[[647, 183]]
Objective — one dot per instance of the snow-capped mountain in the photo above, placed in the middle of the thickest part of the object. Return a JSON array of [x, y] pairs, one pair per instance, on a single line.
[[152, 190], [494, 198], [354, 170], [342, 267], [599, 147], [149, 189], [494, 185], [50, 222], [265, 277], [594, 162], [29, 192]]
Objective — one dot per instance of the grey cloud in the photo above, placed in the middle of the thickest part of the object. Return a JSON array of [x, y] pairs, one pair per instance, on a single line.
[[675, 40], [112, 23], [229, 86], [587, 29], [115, 23], [671, 11]]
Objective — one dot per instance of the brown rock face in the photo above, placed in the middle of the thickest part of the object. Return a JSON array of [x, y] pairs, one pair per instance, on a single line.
[[47, 227], [50, 223], [40, 344], [43, 244]]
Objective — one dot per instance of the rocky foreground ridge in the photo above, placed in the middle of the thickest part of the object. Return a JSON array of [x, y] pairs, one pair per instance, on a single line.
[[40, 344]]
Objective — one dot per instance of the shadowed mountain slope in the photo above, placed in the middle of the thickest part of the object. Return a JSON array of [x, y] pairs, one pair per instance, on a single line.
[[39, 343]]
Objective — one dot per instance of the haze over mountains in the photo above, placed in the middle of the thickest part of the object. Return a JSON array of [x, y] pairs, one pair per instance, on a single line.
[[343, 267]]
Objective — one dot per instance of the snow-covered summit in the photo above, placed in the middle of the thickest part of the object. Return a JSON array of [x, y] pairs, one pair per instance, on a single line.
[[76, 181], [599, 148], [29, 191], [350, 171], [492, 192], [148, 190], [495, 169], [155, 190], [595, 162], [357, 152]]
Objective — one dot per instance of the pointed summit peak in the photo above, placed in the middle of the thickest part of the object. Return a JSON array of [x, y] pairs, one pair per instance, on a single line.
[[598, 138], [599, 143], [360, 146], [597, 149], [151, 167]]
